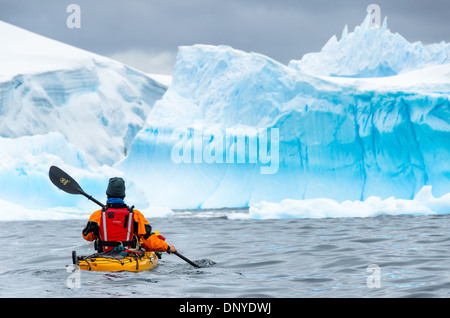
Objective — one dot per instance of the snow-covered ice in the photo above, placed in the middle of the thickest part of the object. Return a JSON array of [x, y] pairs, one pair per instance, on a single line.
[[60, 105], [371, 52]]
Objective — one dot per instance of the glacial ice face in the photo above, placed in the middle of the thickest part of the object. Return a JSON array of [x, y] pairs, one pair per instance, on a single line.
[[371, 51], [339, 138], [96, 103], [99, 109], [63, 106]]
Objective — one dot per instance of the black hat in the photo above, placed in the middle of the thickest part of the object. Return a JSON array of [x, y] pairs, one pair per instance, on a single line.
[[116, 188]]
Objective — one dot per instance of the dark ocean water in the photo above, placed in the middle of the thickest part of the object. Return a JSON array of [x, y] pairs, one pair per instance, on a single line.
[[386, 256]]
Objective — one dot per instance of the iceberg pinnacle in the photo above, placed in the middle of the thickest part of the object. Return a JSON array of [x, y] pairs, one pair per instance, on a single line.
[[371, 51]]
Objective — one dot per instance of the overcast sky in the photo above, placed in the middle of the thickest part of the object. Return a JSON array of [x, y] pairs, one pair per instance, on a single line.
[[146, 33]]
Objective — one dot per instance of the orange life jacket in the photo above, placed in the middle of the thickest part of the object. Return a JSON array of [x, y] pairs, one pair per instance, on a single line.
[[116, 228]]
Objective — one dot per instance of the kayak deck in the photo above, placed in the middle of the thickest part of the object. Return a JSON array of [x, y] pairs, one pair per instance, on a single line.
[[115, 262]]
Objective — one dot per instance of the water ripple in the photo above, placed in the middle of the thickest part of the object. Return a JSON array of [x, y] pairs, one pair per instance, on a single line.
[[407, 256]]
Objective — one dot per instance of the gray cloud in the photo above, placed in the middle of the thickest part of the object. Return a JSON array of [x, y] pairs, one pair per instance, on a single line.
[[283, 30]]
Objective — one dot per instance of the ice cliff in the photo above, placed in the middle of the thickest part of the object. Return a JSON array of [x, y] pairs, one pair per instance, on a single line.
[[339, 138], [62, 105]]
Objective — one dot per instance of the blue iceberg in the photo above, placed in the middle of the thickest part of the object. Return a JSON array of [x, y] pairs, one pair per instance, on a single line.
[[340, 135]]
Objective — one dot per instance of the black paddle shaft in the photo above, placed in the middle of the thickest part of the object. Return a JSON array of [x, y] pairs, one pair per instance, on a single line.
[[186, 259]]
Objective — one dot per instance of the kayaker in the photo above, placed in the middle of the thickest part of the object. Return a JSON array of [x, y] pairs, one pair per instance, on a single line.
[[110, 228]]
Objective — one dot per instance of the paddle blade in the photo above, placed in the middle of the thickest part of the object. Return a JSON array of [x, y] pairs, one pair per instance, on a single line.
[[63, 181]]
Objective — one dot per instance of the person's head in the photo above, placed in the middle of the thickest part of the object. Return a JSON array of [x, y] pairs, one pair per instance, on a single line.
[[116, 188]]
